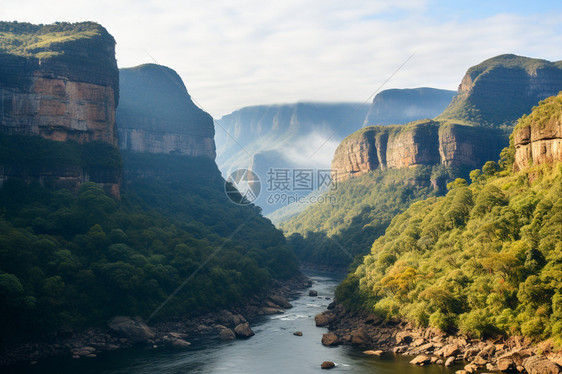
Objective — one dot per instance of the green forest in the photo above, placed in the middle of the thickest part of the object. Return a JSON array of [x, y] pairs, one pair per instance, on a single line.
[[77, 258], [485, 259], [335, 234]]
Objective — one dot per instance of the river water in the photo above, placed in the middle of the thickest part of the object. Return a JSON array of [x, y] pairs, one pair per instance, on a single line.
[[274, 349]]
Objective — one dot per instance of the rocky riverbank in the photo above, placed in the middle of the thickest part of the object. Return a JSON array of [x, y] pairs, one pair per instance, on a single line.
[[124, 332], [429, 346]]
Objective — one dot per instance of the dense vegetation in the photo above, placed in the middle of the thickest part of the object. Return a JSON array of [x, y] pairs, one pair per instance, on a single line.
[[358, 212], [484, 259], [74, 259]]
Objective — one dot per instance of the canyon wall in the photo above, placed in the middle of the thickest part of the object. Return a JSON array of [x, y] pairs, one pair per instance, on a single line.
[[538, 138], [423, 142], [157, 115], [60, 82]]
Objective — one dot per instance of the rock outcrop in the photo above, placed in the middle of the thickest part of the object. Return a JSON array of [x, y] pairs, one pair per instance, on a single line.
[[538, 137], [157, 115], [501, 89], [65, 89], [60, 82], [423, 142]]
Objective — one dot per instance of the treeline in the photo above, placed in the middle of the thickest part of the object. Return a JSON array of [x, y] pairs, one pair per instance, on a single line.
[[74, 259], [337, 233], [484, 259]]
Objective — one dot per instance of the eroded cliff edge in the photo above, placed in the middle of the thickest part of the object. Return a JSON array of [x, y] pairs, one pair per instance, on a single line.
[[424, 142], [157, 115], [538, 137], [59, 83]]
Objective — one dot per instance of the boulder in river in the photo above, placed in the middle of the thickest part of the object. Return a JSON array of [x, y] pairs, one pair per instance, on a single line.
[[243, 330], [328, 365], [323, 319], [330, 339], [134, 329], [312, 293], [297, 333], [227, 334], [421, 360], [541, 365], [280, 301]]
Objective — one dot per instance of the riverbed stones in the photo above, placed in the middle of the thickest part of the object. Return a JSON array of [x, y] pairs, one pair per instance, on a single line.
[[377, 352], [180, 343], [359, 337], [450, 361], [243, 331], [323, 319], [297, 333], [421, 360], [227, 334], [280, 301], [541, 365], [328, 365], [330, 339], [134, 329]]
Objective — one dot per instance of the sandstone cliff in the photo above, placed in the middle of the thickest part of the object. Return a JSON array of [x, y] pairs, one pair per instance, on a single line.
[[498, 91], [538, 137], [157, 115], [424, 142], [59, 82]]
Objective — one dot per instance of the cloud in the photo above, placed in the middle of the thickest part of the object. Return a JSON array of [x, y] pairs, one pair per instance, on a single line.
[[235, 54]]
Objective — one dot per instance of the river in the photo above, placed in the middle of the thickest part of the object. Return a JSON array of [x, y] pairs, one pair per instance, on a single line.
[[274, 349]]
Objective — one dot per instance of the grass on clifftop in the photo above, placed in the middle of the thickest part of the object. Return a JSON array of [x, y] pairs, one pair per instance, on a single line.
[[43, 41], [543, 113]]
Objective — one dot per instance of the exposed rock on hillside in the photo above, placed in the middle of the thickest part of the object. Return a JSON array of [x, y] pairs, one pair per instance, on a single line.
[[538, 137], [157, 115], [59, 82], [420, 143], [65, 86]]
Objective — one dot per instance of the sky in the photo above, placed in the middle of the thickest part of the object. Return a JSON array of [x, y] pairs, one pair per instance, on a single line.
[[232, 54]]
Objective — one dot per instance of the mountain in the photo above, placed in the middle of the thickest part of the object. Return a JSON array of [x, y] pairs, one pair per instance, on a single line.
[[59, 83], [397, 106], [438, 151], [283, 137], [305, 135], [156, 114], [73, 253], [484, 259], [496, 92]]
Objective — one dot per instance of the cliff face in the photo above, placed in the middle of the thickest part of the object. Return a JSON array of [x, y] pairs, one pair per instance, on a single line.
[[60, 82], [420, 143], [397, 106], [538, 138], [496, 92], [157, 115], [64, 87]]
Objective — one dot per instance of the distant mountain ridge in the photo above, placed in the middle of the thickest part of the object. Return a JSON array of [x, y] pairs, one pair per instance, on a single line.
[[398, 106], [305, 135], [496, 92]]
